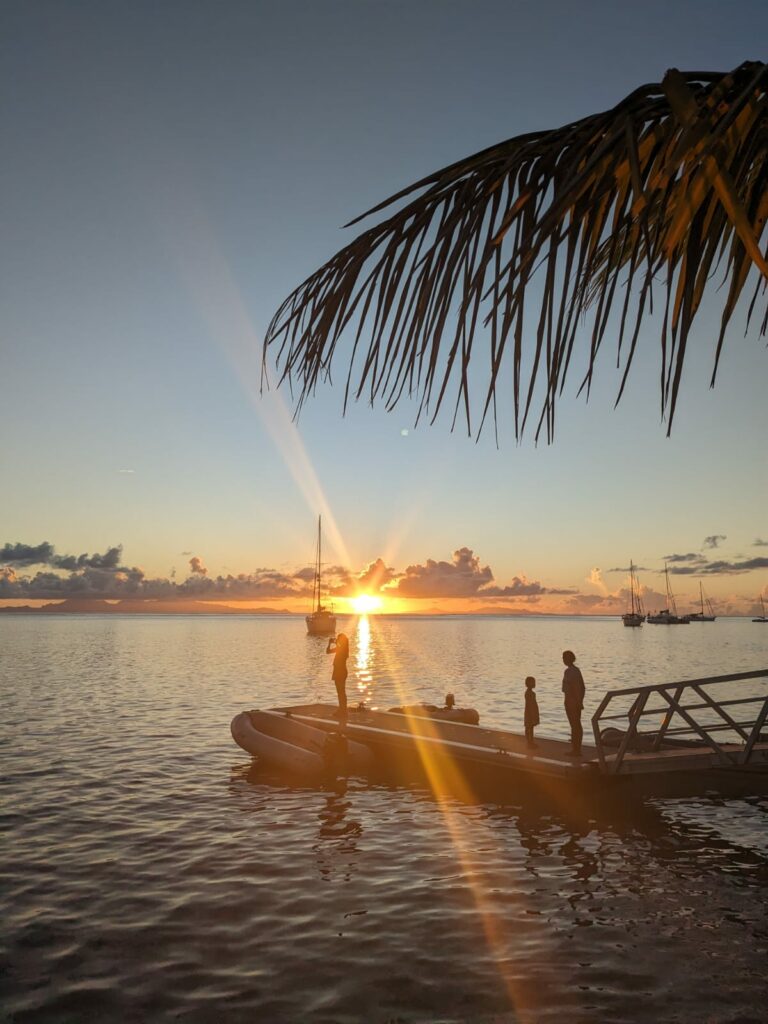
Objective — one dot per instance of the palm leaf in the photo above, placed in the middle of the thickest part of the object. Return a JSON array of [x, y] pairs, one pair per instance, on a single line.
[[593, 218]]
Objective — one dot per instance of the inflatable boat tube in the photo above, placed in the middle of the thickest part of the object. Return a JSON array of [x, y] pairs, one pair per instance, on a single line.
[[278, 739]]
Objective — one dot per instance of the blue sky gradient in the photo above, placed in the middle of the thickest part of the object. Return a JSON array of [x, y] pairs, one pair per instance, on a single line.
[[171, 171]]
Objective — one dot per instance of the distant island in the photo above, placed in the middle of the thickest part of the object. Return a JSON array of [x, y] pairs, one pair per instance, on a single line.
[[96, 606]]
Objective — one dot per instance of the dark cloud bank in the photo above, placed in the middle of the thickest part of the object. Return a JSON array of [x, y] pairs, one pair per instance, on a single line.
[[462, 577], [104, 576], [85, 577]]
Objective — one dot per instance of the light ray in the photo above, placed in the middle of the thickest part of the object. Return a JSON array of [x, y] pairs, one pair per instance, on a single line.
[[451, 789], [207, 274]]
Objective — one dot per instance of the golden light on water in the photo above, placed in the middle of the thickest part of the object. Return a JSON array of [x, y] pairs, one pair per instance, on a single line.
[[363, 658], [454, 794]]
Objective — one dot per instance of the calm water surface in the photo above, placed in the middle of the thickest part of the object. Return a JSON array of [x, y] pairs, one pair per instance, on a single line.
[[150, 872]]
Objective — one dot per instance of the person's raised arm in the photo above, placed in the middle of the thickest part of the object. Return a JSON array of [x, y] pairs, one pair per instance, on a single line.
[[330, 649]]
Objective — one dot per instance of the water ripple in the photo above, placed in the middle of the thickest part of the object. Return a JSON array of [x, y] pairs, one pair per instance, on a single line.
[[149, 871]]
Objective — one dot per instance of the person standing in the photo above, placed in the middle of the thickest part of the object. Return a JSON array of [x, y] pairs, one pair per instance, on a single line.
[[339, 647], [531, 718], [573, 691]]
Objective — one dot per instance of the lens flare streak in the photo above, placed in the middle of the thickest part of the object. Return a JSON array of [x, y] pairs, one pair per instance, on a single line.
[[451, 789]]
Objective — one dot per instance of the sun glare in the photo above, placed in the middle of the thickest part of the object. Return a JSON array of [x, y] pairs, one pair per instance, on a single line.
[[365, 604]]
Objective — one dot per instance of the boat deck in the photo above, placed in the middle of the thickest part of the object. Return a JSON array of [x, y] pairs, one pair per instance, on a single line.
[[428, 738], [467, 743]]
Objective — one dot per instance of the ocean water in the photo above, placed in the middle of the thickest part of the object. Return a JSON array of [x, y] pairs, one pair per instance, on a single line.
[[150, 871]]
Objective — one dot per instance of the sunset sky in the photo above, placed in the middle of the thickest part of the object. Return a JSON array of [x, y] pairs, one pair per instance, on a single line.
[[171, 171]]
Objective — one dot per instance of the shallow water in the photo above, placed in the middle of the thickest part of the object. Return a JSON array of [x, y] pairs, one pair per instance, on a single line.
[[151, 872]]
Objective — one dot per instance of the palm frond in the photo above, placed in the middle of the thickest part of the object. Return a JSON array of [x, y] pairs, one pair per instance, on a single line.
[[659, 192]]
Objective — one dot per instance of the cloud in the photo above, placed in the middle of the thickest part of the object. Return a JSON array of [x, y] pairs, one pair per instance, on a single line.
[[714, 540], [255, 586], [595, 579], [692, 556], [45, 554], [26, 554], [463, 576], [734, 568], [590, 602], [124, 582], [307, 573], [521, 586], [720, 568], [758, 543], [626, 568], [104, 576], [87, 582], [374, 577], [109, 560]]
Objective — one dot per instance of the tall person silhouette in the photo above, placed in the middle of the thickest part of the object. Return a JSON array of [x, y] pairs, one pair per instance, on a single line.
[[573, 690]]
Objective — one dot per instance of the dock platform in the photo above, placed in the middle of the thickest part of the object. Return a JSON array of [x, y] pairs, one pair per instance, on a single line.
[[694, 743], [400, 733]]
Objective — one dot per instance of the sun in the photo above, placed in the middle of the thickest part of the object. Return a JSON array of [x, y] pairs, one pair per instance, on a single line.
[[364, 604]]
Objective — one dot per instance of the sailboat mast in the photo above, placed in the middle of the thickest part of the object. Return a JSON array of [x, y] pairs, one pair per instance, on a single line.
[[319, 557], [670, 597], [632, 585]]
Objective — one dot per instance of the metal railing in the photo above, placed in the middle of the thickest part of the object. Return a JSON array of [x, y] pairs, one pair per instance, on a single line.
[[684, 724]]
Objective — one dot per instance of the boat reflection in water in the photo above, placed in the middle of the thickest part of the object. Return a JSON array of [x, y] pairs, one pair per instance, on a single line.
[[527, 896]]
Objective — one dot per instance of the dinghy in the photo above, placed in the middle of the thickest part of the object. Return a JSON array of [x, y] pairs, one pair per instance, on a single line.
[[447, 713], [280, 740], [467, 716]]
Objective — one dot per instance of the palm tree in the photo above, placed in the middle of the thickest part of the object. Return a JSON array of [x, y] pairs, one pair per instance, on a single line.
[[653, 196]]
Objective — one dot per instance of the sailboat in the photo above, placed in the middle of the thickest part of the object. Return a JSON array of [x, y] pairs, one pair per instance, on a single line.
[[666, 617], [700, 616], [634, 617], [321, 621], [761, 617]]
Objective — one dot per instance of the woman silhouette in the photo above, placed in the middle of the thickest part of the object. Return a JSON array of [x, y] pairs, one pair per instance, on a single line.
[[339, 647]]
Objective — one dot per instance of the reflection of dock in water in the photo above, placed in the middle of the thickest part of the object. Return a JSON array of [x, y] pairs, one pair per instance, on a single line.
[[702, 738]]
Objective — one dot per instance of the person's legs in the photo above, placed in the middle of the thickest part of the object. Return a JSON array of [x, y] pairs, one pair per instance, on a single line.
[[578, 732], [574, 720], [341, 693], [529, 736]]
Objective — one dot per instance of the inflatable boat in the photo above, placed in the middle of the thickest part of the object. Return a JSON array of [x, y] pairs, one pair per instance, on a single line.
[[278, 739], [466, 716]]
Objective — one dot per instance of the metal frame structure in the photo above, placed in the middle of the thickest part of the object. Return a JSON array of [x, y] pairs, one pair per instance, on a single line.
[[734, 750]]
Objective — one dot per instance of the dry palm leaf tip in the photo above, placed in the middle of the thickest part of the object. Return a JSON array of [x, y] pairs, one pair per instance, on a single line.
[[648, 203]]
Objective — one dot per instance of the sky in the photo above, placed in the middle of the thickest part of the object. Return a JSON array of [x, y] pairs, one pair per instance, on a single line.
[[172, 171]]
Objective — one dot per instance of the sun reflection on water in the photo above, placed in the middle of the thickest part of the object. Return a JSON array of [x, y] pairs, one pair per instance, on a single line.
[[452, 790], [363, 658]]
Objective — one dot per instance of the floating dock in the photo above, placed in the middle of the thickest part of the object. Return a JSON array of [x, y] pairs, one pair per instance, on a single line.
[[697, 735]]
